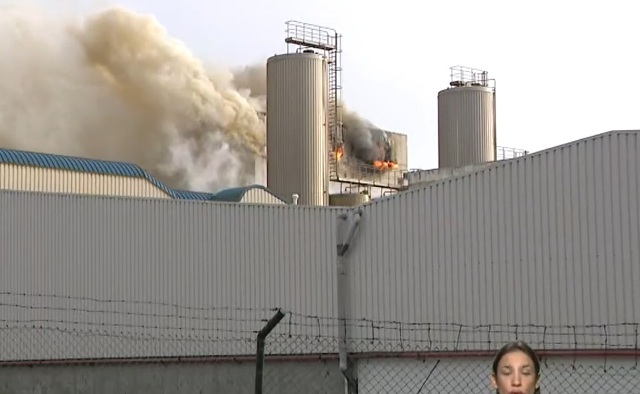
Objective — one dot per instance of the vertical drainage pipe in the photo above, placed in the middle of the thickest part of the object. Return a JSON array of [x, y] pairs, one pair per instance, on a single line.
[[346, 228], [495, 123]]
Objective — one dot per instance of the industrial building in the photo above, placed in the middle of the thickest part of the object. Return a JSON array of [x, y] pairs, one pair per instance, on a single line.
[[467, 119], [103, 265], [542, 247], [307, 152], [309, 159], [49, 173], [306, 136]]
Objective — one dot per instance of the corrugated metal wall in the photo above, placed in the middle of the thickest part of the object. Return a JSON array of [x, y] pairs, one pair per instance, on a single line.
[[102, 274], [38, 179], [466, 126], [551, 239], [297, 138], [544, 247], [260, 196]]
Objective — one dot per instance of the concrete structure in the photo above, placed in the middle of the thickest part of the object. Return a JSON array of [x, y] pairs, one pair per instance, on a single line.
[[400, 149], [297, 136], [235, 377], [357, 176], [420, 178], [363, 188], [542, 247], [260, 171], [348, 199], [251, 168], [466, 121]]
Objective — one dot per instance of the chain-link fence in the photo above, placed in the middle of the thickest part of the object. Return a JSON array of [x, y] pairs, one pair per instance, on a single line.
[[589, 375], [408, 358], [302, 357], [58, 344], [81, 345]]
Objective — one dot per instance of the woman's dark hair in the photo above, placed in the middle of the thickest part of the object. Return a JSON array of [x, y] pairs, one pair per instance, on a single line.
[[520, 346]]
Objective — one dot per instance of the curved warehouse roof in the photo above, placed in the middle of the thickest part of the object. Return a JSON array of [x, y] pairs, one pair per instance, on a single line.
[[236, 194], [105, 167]]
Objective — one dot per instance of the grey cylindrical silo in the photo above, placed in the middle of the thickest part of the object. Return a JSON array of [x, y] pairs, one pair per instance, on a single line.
[[466, 126], [297, 139]]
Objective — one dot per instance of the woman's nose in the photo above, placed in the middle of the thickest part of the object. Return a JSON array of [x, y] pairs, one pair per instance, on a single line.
[[516, 380]]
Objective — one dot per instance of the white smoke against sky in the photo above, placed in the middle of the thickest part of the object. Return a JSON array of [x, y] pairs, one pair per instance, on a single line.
[[113, 85]]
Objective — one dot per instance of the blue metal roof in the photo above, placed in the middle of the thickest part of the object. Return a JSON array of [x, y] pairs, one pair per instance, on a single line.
[[235, 194], [191, 195], [47, 160]]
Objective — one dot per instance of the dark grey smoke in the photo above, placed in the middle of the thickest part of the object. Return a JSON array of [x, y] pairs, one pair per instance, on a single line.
[[363, 140]]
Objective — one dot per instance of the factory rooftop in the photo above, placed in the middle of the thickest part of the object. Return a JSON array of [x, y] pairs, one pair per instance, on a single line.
[[119, 169]]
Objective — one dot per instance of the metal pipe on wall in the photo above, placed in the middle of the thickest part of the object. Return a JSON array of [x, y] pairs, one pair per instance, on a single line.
[[347, 225], [495, 126]]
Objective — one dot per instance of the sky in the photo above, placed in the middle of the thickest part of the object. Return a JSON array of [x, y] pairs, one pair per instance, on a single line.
[[563, 70]]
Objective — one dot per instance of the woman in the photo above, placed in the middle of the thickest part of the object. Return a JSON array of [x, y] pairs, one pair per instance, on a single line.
[[516, 370]]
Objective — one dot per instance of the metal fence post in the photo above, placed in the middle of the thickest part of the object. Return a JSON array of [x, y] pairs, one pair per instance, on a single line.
[[262, 335]]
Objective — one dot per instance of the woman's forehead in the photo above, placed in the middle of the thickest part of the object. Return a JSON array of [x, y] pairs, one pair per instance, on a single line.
[[515, 357]]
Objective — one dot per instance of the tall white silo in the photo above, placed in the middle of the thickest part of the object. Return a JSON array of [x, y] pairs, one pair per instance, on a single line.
[[297, 139], [466, 119]]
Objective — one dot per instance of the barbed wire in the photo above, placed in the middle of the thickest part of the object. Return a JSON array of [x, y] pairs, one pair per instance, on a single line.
[[302, 350], [206, 323], [128, 302]]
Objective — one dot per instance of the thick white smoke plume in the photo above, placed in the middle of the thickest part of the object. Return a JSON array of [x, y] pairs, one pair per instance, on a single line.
[[114, 86]]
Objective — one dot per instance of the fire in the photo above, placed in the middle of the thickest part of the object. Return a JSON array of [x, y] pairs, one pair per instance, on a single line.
[[384, 165], [381, 165]]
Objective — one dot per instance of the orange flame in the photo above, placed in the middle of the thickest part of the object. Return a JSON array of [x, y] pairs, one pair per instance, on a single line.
[[384, 165], [339, 152]]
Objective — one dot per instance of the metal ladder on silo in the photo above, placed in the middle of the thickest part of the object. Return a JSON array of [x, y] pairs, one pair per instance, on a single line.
[[334, 113]]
